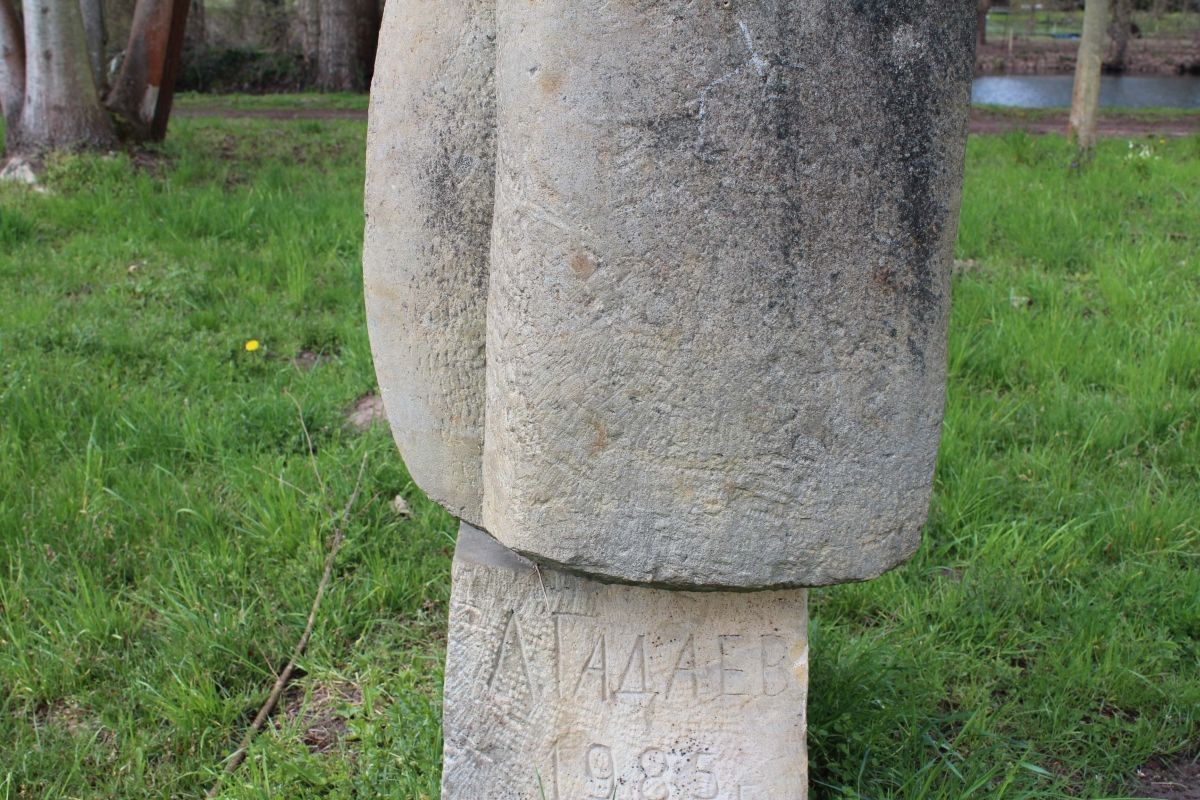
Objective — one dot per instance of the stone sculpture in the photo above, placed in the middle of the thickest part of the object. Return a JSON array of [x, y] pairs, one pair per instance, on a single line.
[[658, 295]]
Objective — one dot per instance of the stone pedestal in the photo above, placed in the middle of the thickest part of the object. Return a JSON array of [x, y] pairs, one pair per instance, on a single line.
[[565, 688]]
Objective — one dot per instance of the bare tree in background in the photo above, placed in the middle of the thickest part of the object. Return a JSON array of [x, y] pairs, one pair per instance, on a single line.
[[310, 31], [347, 34], [1122, 32], [274, 20], [195, 35], [337, 58], [370, 19], [981, 15], [337, 40], [1085, 99]]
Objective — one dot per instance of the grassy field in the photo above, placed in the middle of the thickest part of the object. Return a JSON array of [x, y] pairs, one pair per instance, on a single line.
[[1019, 115], [163, 523], [297, 101], [316, 102]]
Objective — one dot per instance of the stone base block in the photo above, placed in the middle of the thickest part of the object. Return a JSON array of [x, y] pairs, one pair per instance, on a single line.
[[563, 688]]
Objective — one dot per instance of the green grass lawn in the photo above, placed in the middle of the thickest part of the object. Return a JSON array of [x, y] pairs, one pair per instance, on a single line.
[[163, 526], [342, 101], [1020, 115]]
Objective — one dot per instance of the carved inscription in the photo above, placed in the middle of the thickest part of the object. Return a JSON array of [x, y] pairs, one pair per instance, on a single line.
[[641, 773], [565, 689], [613, 665], [601, 771], [511, 658]]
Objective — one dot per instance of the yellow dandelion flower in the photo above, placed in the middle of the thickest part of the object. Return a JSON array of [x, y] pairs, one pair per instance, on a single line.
[[252, 345]]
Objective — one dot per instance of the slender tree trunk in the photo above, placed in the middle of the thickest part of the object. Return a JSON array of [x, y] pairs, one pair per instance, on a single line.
[[310, 35], [370, 17], [195, 36], [1085, 98], [243, 11], [273, 24], [338, 69], [1122, 32], [62, 108], [12, 71], [981, 15], [145, 86], [92, 12]]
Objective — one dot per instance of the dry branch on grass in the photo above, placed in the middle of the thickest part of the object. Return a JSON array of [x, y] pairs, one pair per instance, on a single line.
[[339, 534]]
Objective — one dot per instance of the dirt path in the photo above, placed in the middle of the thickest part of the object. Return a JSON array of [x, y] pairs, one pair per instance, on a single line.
[[1114, 127], [987, 122]]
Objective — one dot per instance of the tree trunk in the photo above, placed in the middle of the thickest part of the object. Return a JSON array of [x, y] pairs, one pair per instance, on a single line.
[[195, 36], [274, 21], [370, 17], [92, 12], [338, 69], [145, 86], [12, 70], [62, 108], [981, 15], [244, 18], [1086, 96], [1122, 32], [310, 34]]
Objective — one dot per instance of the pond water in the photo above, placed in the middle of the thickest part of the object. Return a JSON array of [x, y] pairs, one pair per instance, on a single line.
[[1054, 91]]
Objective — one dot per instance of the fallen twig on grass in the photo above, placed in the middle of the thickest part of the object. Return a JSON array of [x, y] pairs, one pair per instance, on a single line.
[[339, 534]]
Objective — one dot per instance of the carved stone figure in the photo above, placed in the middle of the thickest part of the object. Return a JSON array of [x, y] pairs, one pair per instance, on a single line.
[[658, 295]]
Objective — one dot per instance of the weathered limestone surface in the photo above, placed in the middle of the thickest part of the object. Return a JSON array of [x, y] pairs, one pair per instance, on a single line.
[[719, 285], [430, 166], [562, 688]]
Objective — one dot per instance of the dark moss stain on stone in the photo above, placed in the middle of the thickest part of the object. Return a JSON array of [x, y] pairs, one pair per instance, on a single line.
[[671, 133], [458, 177], [455, 202], [786, 122], [911, 150]]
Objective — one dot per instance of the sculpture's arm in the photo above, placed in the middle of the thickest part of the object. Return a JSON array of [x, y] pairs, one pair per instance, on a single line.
[[430, 166]]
